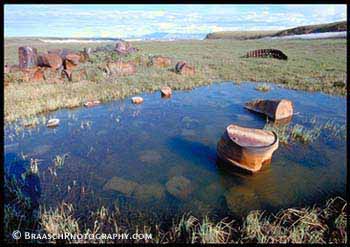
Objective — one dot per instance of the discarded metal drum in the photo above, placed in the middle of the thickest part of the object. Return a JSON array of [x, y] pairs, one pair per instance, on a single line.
[[51, 60], [166, 92], [53, 122], [124, 48], [27, 57], [273, 53], [274, 109], [184, 68], [32, 74], [71, 61], [160, 61], [120, 68], [247, 148], [137, 100], [61, 52]]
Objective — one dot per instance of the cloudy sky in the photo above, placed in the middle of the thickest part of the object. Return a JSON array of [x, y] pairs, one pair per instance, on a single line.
[[135, 20]]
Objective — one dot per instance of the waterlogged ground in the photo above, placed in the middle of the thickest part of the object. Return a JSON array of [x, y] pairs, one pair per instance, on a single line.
[[158, 159]]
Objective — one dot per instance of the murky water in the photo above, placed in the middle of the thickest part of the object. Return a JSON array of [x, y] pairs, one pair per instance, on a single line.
[[160, 156]]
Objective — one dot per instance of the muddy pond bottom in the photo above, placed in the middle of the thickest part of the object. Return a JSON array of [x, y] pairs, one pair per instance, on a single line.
[[159, 157]]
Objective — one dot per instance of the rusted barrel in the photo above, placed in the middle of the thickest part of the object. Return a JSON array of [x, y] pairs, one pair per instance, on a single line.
[[274, 109], [247, 148], [27, 57]]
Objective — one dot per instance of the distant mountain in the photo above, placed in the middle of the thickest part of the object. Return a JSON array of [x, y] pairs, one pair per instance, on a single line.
[[169, 36], [301, 30]]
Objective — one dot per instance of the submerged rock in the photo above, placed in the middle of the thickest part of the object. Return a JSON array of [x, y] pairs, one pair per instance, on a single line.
[[148, 192], [240, 199], [121, 185], [177, 170], [40, 150], [180, 187], [150, 156]]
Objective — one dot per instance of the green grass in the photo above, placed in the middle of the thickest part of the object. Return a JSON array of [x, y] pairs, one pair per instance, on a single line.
[[240, 35], [317, 65], [298, 133], [244, 35]]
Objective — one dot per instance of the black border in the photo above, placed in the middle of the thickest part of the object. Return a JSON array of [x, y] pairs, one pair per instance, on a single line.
[[247, 2]]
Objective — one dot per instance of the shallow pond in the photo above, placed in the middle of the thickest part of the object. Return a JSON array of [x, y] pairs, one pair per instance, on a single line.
[[160, 157]]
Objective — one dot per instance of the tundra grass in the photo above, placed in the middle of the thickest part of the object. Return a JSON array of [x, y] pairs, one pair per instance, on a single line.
[[312, 65]]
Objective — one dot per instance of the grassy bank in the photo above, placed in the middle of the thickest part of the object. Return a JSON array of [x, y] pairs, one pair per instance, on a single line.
[[314, 65]]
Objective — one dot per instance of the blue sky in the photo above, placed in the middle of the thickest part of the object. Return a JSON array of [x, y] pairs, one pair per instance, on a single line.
[[135, 20]]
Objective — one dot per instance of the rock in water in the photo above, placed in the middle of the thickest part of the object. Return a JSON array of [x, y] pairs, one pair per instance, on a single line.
[[179, 186], [121, 185], [150, 156], [274, 109], [27, 57], [247, 148], [149, 192], [240, 199]]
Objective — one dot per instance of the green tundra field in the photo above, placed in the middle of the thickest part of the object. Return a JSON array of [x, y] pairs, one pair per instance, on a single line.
[[312, 65]]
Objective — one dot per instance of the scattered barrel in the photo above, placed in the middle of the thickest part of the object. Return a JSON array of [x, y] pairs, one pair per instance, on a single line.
[[120, 68], [274, 109], [92, 103], [247, 148], [51, 60], [71, 61], [27, 57], [137, 100], [273, 53], [160, 61], [184, 68], [124, 48], [166, 92]]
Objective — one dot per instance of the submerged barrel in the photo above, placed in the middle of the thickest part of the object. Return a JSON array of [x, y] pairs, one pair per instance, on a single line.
[[247, 148]]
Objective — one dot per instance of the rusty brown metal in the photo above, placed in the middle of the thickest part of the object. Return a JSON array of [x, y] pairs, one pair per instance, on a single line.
[[27, 57], [273, 53]]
